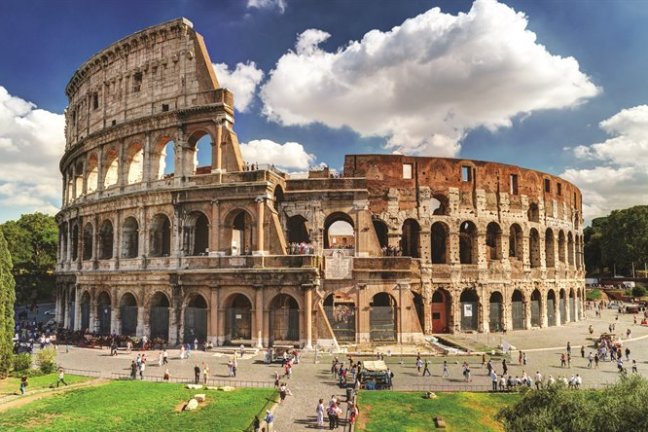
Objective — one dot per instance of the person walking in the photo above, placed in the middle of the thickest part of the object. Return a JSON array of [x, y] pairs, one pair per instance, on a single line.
[[61, 377], [319, 411]]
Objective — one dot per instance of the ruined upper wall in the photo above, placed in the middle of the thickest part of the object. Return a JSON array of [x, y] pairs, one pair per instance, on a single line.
[[162, 68], [559, 198]]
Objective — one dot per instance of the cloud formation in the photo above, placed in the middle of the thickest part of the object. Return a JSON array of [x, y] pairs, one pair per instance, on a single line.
[[425, 83], [280, 5], [242, 81], [620, 179], [290, 155], [31, 143]]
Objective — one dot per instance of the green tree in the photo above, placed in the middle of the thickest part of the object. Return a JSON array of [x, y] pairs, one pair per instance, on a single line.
[[33, 242], [7, 300]]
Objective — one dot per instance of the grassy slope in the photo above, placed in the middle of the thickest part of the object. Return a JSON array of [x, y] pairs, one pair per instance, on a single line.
[[12, 385], [409, 412], [137, 406]]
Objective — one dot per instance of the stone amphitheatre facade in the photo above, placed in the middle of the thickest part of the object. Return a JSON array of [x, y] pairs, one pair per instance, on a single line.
[[395, 248]]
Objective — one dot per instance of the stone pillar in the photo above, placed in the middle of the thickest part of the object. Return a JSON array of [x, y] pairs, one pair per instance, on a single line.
[[308, 318], [260, 200], [261, 334]]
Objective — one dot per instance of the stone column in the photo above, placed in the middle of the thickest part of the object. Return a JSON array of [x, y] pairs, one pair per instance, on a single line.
[[261, 335], [308, 305], [260, 200]]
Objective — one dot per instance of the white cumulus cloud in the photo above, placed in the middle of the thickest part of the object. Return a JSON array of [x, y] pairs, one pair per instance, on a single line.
[[31, 143], [425, 83], [620, 179], [280, 5], [290, 155], [242, 81]]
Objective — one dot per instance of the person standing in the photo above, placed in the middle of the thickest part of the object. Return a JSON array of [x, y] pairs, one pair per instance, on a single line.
[[196, 374], [319, 411], [61, 377]]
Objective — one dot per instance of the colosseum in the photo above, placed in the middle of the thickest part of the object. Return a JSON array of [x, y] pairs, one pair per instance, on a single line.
[[392, 249]]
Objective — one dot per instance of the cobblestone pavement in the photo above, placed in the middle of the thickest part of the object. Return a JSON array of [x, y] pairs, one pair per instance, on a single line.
[[312, 381]]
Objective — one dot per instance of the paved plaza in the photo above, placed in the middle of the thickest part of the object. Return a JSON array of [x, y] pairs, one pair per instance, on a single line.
[[312, 380]]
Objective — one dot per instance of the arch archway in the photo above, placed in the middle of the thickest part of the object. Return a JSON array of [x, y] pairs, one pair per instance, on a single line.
[[106, 239], [494, 241], [439, 234], [517, 310], [339, 231], [128, 314], [382, 318], [195, 319], [496, 312], [411, 238], [468, 243], [160, 236], [238, 319], [104, 313], [536, 307], [130, 238], [159, 316], [469, 301], [340, 311], [563, 306], [382, 232], [551, 308], [284, 318], [441, 307], [85, 311]]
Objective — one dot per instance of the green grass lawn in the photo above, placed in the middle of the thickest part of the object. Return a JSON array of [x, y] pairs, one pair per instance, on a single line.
[[137, 406], [12, 385], [409, 412]]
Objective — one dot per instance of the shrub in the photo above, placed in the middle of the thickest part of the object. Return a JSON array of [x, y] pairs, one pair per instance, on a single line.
[[22, 362], [46, 360], [638, 291]]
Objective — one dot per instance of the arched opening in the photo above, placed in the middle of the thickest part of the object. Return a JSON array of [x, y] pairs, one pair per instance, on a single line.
[[85, 311], [572, 306], [496, 313], [284, 319], [165, 160], [339, 232], [106, 239], [75, 242], [238, 319], [297, 232], [536, 305], [534, 248], [517, 310], [111, 178], [439, 234], [550, 254], [135, 163], [570, 249], [160, 236], [92, 174], [201, 146], [196, 234], [130, 238], [441, 303], [128, 314], [411, 238], [469, 303], [242, 234], [563, 307], [515, 242], [195, 320], [533, 213], [382, 232], [561, 246], [87, 242], [340, 311], [468, 243], [159, 316], [104, 313], [551, 308], [382, 318], [494, 241], [278, 198], [439, 205]]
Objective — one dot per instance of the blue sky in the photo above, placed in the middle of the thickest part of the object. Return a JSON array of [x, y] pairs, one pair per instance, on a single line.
[[557, 86]]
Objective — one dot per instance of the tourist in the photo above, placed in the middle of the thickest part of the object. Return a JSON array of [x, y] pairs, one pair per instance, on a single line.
[[196, 374], [61, 377], [23, 384], [205, 372], [319, 411], [269, 419]]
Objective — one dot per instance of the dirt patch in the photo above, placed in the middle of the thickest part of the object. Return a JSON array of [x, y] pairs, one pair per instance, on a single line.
[[24, 400]]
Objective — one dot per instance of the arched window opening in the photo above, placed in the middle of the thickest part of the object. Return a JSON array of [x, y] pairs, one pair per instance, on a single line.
[[88, 238], [496, 315], [517, 310], [339, 232], [135, 164], [534, 248], [130, 238], [411, 238], [106, 239], [494, 241], [468, 243], [382, 232], [382, 318], [439, 235], [160, 233], [533, 213], [550, 254]]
